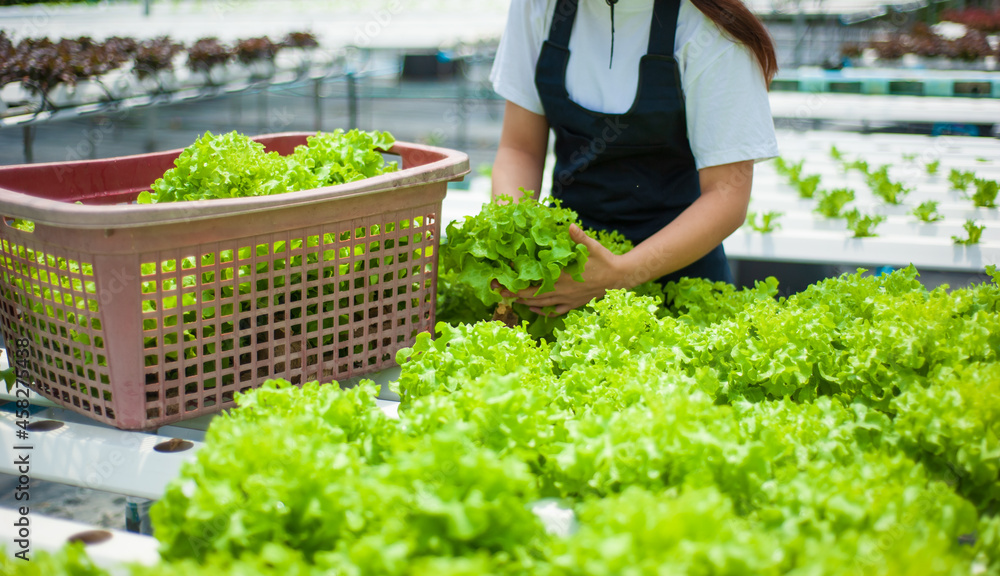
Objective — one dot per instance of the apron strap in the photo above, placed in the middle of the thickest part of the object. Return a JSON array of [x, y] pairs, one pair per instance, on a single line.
[[562, 22], [663, 28]]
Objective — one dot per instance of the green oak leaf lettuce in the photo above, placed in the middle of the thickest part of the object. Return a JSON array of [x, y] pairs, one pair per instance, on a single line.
[[225, 166], [468, 266], [519, 244], [953, 425], [847, 429], [323, 471], [234, 166], [339, 157], [461, 354]]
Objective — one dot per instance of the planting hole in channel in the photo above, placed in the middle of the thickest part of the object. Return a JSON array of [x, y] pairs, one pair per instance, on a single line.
[[89, 537], [173, 445], [44, 425]]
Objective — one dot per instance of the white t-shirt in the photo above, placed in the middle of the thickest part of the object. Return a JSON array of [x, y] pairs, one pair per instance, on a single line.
[[728, 113]]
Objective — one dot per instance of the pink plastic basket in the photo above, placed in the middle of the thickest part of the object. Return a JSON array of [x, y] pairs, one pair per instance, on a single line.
[[138, 316]]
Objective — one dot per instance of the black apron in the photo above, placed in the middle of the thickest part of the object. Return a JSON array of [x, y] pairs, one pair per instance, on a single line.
[[631, 172]]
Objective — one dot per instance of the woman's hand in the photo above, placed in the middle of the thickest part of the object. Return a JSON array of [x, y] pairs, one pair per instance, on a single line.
[[601, 273]]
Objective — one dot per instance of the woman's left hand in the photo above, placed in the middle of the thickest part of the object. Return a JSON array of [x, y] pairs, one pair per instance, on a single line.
[[601, 273]]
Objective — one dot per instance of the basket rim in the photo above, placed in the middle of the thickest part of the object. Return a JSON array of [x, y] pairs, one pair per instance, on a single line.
[[445, 165]]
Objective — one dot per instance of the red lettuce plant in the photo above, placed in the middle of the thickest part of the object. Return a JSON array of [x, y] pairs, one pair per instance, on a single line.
[[300, 40], [155, 55], [256, 49], [206, 53]]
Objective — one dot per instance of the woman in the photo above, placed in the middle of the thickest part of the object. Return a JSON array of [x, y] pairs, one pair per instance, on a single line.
[[659, 110]]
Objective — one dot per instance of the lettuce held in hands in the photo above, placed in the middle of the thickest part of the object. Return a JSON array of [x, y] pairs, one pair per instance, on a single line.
[[520, 245]]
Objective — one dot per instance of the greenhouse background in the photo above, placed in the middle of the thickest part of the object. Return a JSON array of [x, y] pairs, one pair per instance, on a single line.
[[888, 123]]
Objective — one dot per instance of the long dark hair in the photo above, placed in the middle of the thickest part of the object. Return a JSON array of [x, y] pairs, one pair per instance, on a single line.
[[734, 18]]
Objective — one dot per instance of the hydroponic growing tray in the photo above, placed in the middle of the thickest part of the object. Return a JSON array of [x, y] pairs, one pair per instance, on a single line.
[[139, 316]]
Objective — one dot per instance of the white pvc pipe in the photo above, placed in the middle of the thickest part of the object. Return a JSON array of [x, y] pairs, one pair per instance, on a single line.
[[51, 534]]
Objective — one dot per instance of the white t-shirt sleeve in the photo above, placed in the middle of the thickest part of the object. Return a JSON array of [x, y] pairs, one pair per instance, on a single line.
[[513, 73], [725, 96]]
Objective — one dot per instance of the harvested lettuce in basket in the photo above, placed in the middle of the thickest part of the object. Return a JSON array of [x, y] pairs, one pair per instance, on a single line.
[[234, 166], [340, 157]]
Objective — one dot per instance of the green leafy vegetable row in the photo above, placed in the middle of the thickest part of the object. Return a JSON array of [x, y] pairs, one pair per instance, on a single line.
[[985, 195], [851, 428], [832, 203], [768, 221]]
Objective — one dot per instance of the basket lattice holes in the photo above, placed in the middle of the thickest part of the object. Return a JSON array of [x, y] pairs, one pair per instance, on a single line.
[[322, 303], [315, 306], [52, 301]]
